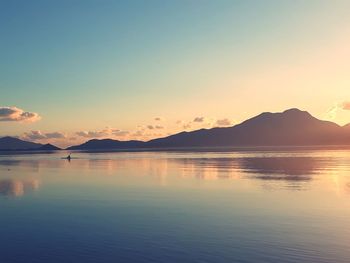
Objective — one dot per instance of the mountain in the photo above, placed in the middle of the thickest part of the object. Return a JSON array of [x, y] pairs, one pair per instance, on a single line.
[[48, 147], [347, 127], [106, 144], [292, 127], [11, 144]]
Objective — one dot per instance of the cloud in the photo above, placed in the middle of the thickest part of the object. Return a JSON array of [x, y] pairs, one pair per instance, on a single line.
[[346, 105], [38, 135], [184, 125], [333, 111], [138, 133], [158, 119], [223, 122], [187, 126], [198, 119], [34, 135], [91, 134], [120, 133], [102, 133], [17, 114], [155, 127], [55, 135], [157, 135], [196, 123]]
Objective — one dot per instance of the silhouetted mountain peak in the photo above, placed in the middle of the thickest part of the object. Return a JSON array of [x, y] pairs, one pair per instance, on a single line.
[[105, 144], [295, 111], [292, 127], [285, 119], [49, 147], [9, 139], [12, 143]]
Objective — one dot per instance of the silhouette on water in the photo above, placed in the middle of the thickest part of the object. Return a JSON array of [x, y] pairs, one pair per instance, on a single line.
[[68, 157]]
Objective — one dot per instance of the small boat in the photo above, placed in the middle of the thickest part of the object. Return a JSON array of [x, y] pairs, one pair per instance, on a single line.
[[68, 157]]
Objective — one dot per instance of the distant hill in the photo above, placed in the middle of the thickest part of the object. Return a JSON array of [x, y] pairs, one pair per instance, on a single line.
[[292, 127], [48, 147], [106, 144], [11, 144]]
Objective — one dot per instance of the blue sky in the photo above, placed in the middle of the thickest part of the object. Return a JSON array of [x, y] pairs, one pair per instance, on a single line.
[[88, 65]]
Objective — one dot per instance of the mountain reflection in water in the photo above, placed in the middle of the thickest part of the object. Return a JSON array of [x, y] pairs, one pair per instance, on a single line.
[[17, 187], [290, 171], [282, 170]]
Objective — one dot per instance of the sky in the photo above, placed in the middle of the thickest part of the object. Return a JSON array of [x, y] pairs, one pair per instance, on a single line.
[[76, 70]]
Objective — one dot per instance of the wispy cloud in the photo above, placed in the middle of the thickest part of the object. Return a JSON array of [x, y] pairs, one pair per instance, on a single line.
[[203, 122], [155, 127], [138, 133], [198, 119], [187, 126], [223, 122], [102, 133], [346, 105], [38, 135], [333, 111], [91, 134], [17, 115], [120, 132], [55, 135]]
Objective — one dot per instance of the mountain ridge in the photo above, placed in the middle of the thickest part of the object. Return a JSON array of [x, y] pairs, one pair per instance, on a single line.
[[291, 127], [9, 143]]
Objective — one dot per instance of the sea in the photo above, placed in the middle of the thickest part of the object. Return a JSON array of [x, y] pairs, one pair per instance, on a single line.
[[235, 205]]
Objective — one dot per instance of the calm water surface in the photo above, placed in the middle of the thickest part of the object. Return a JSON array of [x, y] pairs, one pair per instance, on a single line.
[[256, 206]]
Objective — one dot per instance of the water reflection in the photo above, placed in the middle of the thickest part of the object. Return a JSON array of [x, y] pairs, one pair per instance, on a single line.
[[17, 187], [282, 168], [347, 187], [274, 168], [208, 168], [292, 172], [278, 169], [106, 206]]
